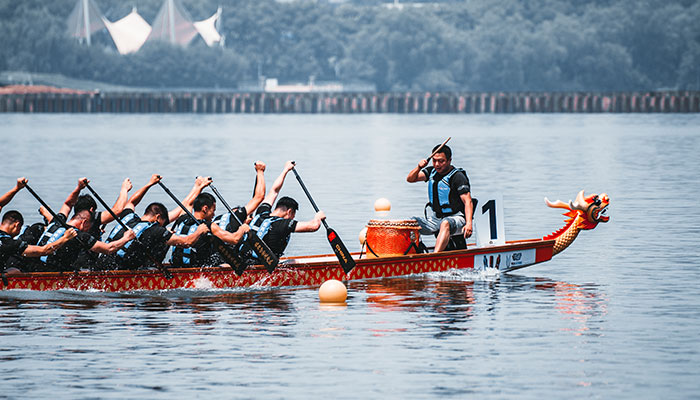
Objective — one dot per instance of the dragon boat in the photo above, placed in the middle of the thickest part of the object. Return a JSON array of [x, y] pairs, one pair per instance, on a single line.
[[584, 213]]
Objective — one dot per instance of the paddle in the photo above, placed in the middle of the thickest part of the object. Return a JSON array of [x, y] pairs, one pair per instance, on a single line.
[[55, 217], [150, 256], [269, 259], [227, 252], [339, 248], [439, 148]]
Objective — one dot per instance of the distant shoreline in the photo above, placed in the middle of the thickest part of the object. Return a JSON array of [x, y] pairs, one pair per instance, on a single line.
[[45, 99]]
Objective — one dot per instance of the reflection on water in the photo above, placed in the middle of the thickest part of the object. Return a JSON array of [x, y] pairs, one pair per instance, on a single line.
[[449, 303], [452, 303]]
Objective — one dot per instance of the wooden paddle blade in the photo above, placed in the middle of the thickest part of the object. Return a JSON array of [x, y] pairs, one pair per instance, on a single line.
[[340, 250], [268, 258], [230, 256]]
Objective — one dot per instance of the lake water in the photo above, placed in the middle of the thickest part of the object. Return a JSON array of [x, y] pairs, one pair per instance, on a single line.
[[616, 315]]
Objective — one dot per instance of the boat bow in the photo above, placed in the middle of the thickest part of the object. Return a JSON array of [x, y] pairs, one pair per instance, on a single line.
[[584, 213]]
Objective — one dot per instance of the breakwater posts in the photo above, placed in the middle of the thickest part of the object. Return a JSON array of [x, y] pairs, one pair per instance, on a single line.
[[409, 103]]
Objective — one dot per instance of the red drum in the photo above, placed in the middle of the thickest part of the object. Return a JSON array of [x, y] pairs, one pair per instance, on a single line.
[[392, 237]]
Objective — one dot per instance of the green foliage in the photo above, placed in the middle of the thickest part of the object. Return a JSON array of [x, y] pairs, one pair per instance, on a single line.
[[481, 45]]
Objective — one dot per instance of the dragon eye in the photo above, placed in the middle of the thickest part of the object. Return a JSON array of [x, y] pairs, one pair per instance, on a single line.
[[597, 201]]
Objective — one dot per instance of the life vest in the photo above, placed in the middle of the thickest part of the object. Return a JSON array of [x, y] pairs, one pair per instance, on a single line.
[[184, 256], [52, 233], [223, 220], [138, 230], [261, 225], [21, 232], [3, 257], [439, 194], [118, 231]]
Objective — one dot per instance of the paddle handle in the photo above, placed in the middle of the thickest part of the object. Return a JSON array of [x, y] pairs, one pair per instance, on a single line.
[[63, 223], [109, 210], [228, 208], [439, 148], [268, 257], [182, 206], [313, 203], [46, 206]]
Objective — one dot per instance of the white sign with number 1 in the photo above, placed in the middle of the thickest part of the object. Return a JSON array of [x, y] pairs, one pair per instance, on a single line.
[[488, 220]]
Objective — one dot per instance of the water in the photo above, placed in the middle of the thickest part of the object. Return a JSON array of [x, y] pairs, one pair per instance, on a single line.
[[616, 315]]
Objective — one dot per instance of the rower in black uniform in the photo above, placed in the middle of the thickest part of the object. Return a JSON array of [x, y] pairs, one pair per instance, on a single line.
[[275, 226], [13, 247], [150, 230]]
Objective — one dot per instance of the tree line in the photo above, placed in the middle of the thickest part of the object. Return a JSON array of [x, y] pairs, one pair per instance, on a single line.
[[477, 45]]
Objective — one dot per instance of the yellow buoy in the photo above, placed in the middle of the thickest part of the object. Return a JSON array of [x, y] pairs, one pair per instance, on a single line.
[[332, 291], [382, 204]]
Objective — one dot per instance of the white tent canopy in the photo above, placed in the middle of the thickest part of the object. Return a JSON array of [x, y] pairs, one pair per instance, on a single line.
[[173, 24], [207, 29], [129, 33]]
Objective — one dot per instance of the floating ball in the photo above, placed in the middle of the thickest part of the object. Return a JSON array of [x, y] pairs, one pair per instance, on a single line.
[[382, 204], [363, 235], [332, 291]]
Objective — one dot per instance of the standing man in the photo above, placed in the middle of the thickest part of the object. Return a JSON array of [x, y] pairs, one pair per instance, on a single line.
[[275, 226], [449, 198]]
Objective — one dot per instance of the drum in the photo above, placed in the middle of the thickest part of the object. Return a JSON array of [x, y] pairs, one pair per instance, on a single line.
[[391, 237]]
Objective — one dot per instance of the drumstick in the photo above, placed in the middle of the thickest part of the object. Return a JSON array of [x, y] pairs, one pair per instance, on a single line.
[[439, 148]]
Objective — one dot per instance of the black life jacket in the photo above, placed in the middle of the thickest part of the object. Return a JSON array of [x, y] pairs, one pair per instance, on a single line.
[[186, 255], [139, 228], [261, 225], [118, 231], [4, 257], [52, 233]]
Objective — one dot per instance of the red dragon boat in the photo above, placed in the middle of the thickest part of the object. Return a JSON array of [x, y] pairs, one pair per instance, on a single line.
[[583, 214]]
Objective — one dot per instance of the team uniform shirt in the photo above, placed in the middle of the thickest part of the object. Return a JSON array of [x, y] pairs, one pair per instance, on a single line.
[[10, 247], [64, 258], [274, 231], [458, 185], [201, 254], [153, 240]]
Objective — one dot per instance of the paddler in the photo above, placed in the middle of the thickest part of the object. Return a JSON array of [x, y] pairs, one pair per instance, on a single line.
[[202, 252], [449, 209], [13, 247], [275, 226], [64, 258], [98, 219], [150, 231], [231, 231], [79, 202]]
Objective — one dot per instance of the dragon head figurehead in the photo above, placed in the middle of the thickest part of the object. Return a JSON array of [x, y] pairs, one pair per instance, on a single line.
[[584, 213]]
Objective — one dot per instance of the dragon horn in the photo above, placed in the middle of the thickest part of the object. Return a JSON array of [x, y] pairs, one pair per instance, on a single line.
[[579, 203], [557, 204]]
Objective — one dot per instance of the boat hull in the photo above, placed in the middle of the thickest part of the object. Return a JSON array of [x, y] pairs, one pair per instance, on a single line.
[[300, 271]]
